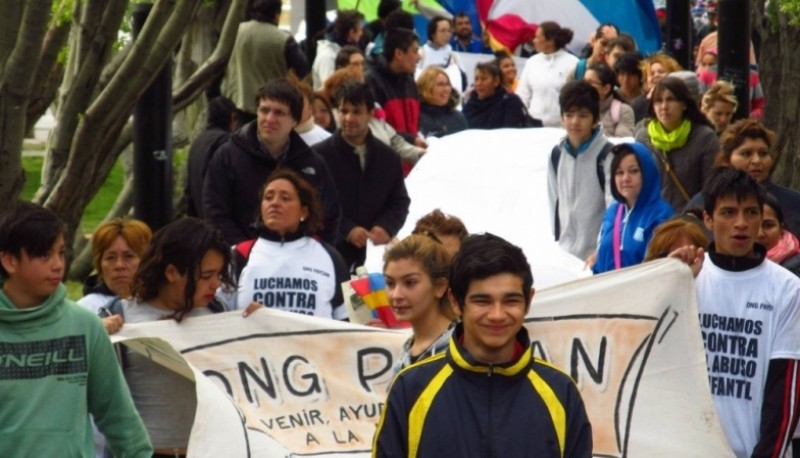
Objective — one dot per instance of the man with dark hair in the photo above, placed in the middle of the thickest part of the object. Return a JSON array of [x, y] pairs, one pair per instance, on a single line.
[[58, 364], [578, 184], [345, 30], [463, 39], [392, 81], [277, 53], [220, 122], [368, 177], [486, 395], [749, 316], [241, 166]]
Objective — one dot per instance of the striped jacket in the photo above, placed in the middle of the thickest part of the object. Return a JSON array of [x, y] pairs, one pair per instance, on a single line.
[[452, 405]]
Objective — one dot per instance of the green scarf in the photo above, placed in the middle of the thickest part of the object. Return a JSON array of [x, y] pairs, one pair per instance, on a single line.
[[667, 141]]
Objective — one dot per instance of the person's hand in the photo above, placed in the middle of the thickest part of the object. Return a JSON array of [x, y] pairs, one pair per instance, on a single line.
[[590, 261], [377, 323], [379, 236], [112, 324], [251, 308], [358, 237], [419, 141], [691, 256]]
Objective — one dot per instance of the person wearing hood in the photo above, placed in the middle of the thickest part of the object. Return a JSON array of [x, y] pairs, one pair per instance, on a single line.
[[628, 223], [490, 105], [285, 268], [240, 166], [345, 30]]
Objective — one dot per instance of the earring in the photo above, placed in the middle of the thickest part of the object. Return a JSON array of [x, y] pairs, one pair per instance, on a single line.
[[302, 219]]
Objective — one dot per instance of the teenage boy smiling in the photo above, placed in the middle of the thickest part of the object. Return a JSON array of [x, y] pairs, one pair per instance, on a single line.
[[57, 364]]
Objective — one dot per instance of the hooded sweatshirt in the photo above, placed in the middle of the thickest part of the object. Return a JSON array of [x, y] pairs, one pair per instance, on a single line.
[[637, 223], [57, 365]]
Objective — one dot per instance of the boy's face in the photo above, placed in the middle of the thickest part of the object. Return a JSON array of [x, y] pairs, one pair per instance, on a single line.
[[492, 313], [34, 278], [735, 225], [407, 60], [579, 123]]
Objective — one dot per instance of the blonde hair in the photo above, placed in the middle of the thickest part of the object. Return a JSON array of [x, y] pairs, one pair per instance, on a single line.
[[670, 65], [670, 231], [720, 91], [135, 233], [427, 82], [433, 258]]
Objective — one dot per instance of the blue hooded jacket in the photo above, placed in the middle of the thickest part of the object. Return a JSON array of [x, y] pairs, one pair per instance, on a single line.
[[639, 222]]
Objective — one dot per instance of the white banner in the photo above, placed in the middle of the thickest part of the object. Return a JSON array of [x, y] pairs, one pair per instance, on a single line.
[[277, 384]]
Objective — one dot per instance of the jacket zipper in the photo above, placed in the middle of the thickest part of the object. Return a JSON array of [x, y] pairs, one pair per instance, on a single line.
[[489, 438]]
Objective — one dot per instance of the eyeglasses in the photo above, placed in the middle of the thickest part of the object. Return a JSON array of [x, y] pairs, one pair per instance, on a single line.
[[442, 84]]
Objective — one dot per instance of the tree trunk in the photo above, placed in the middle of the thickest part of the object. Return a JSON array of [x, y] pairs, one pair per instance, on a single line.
[[49, 73], [779, 65], [22, 30]]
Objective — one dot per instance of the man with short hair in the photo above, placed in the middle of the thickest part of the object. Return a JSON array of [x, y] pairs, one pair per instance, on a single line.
[[368, 177], [346, 29], [463, 39], [486, 395], [392, 81], [750, 317], [240, 167], [276, 52]]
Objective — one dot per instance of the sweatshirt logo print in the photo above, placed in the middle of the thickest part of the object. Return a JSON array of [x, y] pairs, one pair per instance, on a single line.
[[42, 358]]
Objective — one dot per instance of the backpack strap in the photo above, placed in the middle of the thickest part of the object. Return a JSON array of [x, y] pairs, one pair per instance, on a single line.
[[240, 256], [580, 69], [601, 162], [555, 157]]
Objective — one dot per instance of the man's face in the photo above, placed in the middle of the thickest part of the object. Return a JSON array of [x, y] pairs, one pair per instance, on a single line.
[[492, 313], [578, 123], [735, 225], [406, 61], [35, 277], [354, 121], [463, 27], [275, 121]]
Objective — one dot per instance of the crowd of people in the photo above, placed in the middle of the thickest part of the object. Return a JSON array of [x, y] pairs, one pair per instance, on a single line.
[[302, 166]]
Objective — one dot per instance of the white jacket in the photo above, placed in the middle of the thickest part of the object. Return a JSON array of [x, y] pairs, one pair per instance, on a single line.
[[541, 82]]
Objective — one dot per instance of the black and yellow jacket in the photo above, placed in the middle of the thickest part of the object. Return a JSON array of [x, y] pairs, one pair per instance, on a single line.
[[451, 405]]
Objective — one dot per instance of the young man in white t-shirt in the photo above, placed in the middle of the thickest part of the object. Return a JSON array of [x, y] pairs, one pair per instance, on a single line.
[[750, 319]]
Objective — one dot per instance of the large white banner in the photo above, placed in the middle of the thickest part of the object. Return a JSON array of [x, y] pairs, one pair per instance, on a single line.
[[276, 384]]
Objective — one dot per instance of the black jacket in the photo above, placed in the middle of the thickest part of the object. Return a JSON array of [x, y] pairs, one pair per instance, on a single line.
[[239, 169], [375, 197], [440, 121], [502, 109], [452, 405], [200, 152]]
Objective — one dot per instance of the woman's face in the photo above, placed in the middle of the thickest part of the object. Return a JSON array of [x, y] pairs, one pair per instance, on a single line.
[[541, 43], [593, 78], [753, 157], [412, 294], [441, 90], [281, 210], [628, 178], [508, 68], [771, 231], [719, 113], [118, 264], [485, 84], [208, 278], [322, 115], [669, 110], [443, 33], [657, 73]]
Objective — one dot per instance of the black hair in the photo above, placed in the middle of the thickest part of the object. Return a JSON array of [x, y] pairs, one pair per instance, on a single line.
[[482, 256], [561, 36], [281, 90], [346, 20], [727, 182], [307, 195], [619, 152], [606, 76], [629, 63], [489, 67], [772, 202], [219, 112], [386, 7], [355, 93], [266, 10], [399, 19], [624, 41], [680, 90], [181, 243], [462, 14], [600, 28], [579, 94], [398, 38], [433, 24], [30, 228], [344, 54]]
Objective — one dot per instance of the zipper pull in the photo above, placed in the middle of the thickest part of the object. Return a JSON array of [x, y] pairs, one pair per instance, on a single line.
[[490, 371]]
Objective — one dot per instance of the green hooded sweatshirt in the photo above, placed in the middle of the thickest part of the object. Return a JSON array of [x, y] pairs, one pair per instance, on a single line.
[[57, 365]]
